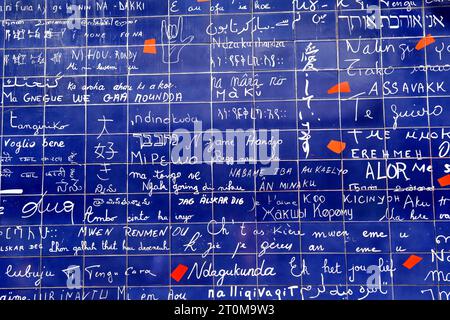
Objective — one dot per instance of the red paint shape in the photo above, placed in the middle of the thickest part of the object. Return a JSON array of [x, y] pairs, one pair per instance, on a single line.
[[336, 146], [412, 261], [444, 181], [343, 87], [178, 272], [150, 46], [425, 41], [202, 0]]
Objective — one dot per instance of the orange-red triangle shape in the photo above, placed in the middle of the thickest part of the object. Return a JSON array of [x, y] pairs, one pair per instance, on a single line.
[[343, 87], [425, 41]]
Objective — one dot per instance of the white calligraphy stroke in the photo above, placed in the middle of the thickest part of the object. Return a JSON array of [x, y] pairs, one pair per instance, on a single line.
[[11, 192]]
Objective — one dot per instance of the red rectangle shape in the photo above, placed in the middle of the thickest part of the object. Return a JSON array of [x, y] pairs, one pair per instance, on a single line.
[[150, 46], [178, 272], [412, 261], [444, 181]]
